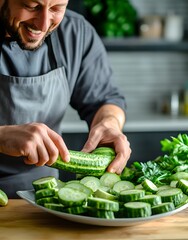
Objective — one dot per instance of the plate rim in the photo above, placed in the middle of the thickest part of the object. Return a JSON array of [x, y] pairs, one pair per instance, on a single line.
[[98, 221]]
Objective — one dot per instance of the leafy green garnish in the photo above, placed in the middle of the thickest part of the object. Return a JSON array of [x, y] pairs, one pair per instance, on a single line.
[[159, 170]]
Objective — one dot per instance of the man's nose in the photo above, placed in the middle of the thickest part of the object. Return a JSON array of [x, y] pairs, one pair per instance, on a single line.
[[42, 21]]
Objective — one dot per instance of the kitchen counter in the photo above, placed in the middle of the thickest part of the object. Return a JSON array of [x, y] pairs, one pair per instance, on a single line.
[[148, 123], [20, 220]]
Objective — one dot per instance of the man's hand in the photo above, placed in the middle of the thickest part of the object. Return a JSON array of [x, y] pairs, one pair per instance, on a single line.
[[36, 142], [106, 130]]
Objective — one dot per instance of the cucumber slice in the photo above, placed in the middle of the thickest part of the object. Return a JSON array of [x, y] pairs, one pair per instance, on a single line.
[[44, 200], [3, 198], [45, 192], [131, 195], [139, 186], [101, 203], [162, 208], [151, 199], [103, 194], [80, 187], [122, 185], [71, 197], [77, 210], [54, 206], [174, 195], [173, 183], [44, 182], [164, 187], [99, 213], [183, 185], [91, 182], [137, 209], [149, 186], [60, 184], [184, 200], [109, 179], [178, 175]]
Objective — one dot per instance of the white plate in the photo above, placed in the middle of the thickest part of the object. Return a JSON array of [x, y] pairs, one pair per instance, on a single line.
[[29, 196]]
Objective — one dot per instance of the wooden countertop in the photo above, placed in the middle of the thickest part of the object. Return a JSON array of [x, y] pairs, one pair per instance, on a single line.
[[20, 220]]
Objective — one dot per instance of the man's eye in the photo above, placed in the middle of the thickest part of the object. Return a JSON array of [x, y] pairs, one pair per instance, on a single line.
[[32, 8]]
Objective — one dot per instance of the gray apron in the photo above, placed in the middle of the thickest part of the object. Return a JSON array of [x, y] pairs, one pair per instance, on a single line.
[[32, 99]]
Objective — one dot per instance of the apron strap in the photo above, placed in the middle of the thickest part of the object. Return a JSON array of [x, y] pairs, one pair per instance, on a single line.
[[54, 46]]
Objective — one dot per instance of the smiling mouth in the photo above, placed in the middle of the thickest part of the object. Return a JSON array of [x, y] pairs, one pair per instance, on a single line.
[[33, 31]]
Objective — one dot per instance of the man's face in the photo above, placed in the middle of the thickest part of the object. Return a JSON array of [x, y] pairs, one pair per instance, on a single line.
[[30, 21]]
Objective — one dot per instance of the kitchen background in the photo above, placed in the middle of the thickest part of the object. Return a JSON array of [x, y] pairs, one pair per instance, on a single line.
[[150, 63]]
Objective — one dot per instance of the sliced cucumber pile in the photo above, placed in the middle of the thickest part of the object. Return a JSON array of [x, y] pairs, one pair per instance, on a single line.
[[109, 196]]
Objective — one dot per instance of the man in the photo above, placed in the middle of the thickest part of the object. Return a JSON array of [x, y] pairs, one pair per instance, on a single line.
[[51, 57]]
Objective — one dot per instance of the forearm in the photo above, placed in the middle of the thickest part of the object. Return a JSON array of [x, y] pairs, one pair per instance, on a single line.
[[111, 116]]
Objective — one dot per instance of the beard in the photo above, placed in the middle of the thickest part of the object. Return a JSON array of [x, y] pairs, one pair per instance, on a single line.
[[5, 17]]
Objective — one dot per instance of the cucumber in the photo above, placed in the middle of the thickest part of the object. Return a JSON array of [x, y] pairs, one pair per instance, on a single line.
[[149, 186], [174, 195], [84, 163], [151, 199], [164, 187], [77, 210], [173, 183], [54, 206], [3, 198], [178, 175], [162, 208], [127, 174], [80, 187], [71, 197], [104, 151], [139, 186], [103, 194], [184, 200], [44, 200], [44, 182], [60, 184], [183, 185], [99, 213], [122, 185], [137, 209], [131, 195], [109, 179], [101, 203], [45, 192], [91, 182]]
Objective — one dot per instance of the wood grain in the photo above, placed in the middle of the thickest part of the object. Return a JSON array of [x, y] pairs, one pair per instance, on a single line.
[[20, 220]]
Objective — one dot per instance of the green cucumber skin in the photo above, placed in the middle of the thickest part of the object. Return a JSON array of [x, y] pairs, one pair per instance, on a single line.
[[84, 163], [99, 213], [104, 151], [3, 198], [44, 182], [46, 192], [131, 195], [162, 208], [54, 206], [137, 211], [42, 201], [88, 159], [151, 199], [171, 195], [103, 204]]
